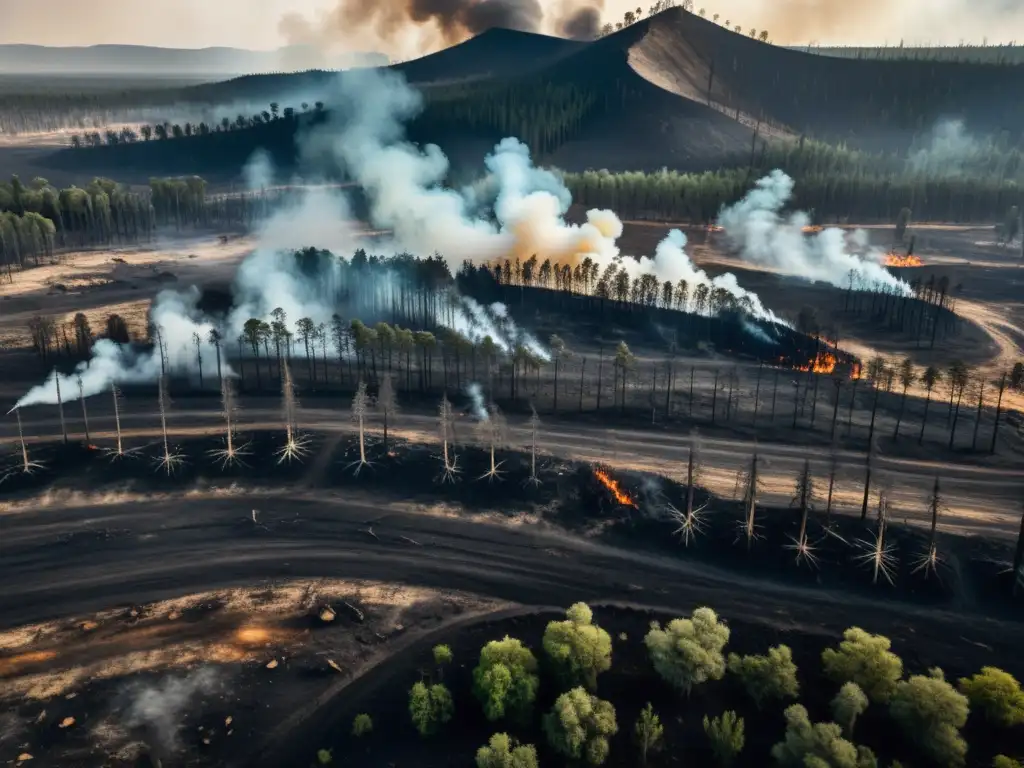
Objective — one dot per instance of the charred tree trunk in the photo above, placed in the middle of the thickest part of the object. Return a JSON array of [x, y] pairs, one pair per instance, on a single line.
[[999, 411]]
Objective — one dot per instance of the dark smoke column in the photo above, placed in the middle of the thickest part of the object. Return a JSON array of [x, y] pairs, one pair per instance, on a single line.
[[457, 20]]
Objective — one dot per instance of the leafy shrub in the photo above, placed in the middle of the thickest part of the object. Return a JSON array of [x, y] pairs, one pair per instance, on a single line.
[[648, 732], [362, 725], [580, 649], [996, 694], [324, 757], [820, 745], [726, 735], [848, 705], [931, 713], [503, 752], [1002, 761], [442, 655], [688, 652], [767, 677], [430, 707], [866, 660], [579, 725], [506, 679]]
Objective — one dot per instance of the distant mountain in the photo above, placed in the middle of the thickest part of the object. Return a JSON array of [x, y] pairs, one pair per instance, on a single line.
[[146, 60]]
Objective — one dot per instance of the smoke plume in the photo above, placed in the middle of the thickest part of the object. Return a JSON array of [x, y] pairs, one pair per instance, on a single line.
[[581, 22], [763, 234], [159, 708], [515, 212], [476, 395], [949, 151]]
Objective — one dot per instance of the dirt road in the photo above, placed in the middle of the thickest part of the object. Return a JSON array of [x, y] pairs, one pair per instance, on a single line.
[[75, 561], [976, 499]]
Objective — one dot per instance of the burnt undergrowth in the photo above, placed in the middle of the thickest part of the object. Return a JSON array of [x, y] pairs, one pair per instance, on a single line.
[[629, 509]]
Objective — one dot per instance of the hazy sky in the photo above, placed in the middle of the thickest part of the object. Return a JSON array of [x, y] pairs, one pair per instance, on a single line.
[[257, 23]]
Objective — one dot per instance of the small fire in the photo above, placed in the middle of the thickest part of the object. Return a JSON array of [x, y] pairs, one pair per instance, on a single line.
[[813, 228], [613, 486], [895, 260], [824, 362], [855, 371], [714, 228]]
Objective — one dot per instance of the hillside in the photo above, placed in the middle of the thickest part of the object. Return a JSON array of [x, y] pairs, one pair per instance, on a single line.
[[674, 90], [868, 102], [136, 60]]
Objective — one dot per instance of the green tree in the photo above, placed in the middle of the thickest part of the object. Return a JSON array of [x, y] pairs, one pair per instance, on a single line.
[[579, 726], [503, 752], [1002, 761], [767, 677], [430, 707], [442, 655], [726, 735], [817, 745], [579, 649], [362, 725], [648, 732], [506, 681], [931, 713], [688, 652], [996, 695], [848, 705], [866, 660]]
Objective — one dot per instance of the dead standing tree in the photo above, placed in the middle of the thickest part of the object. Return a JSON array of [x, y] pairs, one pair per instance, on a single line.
[[494, 432], [450, 467], [803, 500], [690, 520], [878, 552], [296, 446], [231, 453], [85, 412], [534, 428], [360, 406], [749, 527], [929, 559], [27, 465], [386, 403], [168, 461], [60, 407]]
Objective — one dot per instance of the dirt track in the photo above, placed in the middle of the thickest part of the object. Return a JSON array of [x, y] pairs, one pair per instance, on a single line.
[[978, 500], [156, 550]]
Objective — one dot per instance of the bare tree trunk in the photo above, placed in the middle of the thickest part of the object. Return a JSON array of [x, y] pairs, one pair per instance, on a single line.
[[867, 487], [757, 390], [999, 407]]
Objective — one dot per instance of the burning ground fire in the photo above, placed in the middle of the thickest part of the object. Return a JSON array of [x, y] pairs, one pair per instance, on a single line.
[[614, 488], [896, 260], [824, 362]]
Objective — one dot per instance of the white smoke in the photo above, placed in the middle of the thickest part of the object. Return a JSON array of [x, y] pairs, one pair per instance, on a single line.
[[758, 229], [476, 395], [758, 332], [950, 151], [515, 212], [159, 708], [671, 263]]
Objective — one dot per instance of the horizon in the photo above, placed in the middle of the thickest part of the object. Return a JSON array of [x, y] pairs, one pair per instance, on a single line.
[[195, 25]]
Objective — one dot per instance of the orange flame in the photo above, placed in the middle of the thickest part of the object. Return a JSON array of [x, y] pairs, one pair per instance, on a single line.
[[812, 229], [613, 486], [824, 362], [855, 371], [895, 260]]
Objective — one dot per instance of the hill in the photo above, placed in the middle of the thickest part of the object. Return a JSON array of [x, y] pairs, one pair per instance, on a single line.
[[672, 90], [136, 60]]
